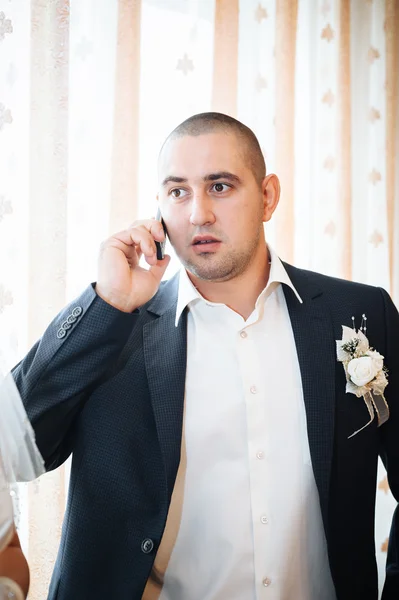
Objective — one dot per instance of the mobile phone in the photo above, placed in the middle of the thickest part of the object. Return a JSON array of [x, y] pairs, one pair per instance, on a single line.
[[160, 246]]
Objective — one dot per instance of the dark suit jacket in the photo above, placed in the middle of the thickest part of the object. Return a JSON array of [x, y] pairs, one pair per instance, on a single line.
[[109, 387]]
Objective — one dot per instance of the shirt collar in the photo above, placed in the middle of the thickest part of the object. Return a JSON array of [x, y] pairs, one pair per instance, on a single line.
[[188, 293], [278, 274]]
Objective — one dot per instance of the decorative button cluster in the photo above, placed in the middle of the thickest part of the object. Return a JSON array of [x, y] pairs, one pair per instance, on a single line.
[[69, 322]]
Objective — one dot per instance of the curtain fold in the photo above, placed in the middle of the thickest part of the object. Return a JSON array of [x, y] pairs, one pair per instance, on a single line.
[[391, 27], [47, 229], [285, 62], [224, 97], [344, 154], [125, 149]]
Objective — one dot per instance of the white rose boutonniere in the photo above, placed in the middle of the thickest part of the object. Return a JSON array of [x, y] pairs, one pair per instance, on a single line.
[[365, 373]]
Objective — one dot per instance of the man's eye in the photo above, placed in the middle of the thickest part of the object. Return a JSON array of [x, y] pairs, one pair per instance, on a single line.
[[220, 187], [178, 193]]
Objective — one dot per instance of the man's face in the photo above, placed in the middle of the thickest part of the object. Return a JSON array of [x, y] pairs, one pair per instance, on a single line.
[[212, 205]]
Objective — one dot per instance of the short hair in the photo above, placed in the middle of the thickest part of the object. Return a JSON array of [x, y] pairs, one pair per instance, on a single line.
[[210, 122]]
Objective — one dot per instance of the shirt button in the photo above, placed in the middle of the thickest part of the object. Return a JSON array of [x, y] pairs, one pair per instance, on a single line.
[[260, 455], [266, 582], [264, 520], [243, 334], [253, 389]]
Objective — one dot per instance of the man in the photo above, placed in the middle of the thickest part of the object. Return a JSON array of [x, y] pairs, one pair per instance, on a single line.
[[207, 415]]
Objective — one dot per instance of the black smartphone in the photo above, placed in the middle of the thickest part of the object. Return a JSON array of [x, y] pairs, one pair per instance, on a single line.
[[160, 246]]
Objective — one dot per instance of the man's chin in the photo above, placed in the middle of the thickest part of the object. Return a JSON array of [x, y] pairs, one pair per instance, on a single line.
[[210, 269]]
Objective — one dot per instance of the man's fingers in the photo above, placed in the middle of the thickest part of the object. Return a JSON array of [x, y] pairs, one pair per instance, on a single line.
[[160, 267], [141, 237], [122, 282], [134, 240], [138, 240], [141, 234], [153, 226], [158, 231]]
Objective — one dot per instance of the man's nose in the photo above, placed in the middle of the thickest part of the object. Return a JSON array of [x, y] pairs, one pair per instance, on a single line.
[[201, 210]]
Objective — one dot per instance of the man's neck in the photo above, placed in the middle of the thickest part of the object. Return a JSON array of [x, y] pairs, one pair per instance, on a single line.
[[241, 292]]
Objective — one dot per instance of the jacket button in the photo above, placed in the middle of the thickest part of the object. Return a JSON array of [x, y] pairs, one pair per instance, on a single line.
[[61, 333], [66, 325], [77, 311], [147, 546], [71, 319]]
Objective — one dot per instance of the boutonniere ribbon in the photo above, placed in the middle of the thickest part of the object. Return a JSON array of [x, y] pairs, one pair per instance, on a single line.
[[365, 373]]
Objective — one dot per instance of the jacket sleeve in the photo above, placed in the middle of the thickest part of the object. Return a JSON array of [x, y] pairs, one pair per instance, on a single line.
[[389, 435], [65, 365]]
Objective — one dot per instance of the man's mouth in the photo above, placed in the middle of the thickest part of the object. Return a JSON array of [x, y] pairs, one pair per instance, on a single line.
[[200, 240], [205, 244]]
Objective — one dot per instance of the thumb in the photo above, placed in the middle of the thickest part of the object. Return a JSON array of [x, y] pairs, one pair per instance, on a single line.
[[158, 270]]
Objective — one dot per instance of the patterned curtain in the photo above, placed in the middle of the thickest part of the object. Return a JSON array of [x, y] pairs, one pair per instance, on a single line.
[[88, 92]]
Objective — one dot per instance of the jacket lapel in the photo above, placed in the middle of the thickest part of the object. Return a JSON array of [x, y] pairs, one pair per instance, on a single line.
[[315, 343], [165, 355]]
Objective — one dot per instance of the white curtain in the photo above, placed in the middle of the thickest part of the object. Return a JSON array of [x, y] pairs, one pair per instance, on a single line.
[[88, 91]]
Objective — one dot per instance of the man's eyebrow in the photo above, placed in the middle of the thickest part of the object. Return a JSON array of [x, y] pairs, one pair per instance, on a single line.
[[210, 177], [174, 179], [222, 175]]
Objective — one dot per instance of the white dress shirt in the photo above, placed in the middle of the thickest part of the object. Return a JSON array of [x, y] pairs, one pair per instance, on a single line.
[[248, 523]]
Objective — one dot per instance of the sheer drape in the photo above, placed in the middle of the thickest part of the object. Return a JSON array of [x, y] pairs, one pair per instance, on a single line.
[[89, 90]]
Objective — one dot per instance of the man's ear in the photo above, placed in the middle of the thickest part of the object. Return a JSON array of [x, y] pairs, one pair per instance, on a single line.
[[271, 195]]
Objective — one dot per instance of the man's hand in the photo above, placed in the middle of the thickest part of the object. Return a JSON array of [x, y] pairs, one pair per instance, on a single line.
[[121, 281]]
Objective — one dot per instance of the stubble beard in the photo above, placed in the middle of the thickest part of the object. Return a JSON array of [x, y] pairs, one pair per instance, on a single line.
[[214, 267]]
